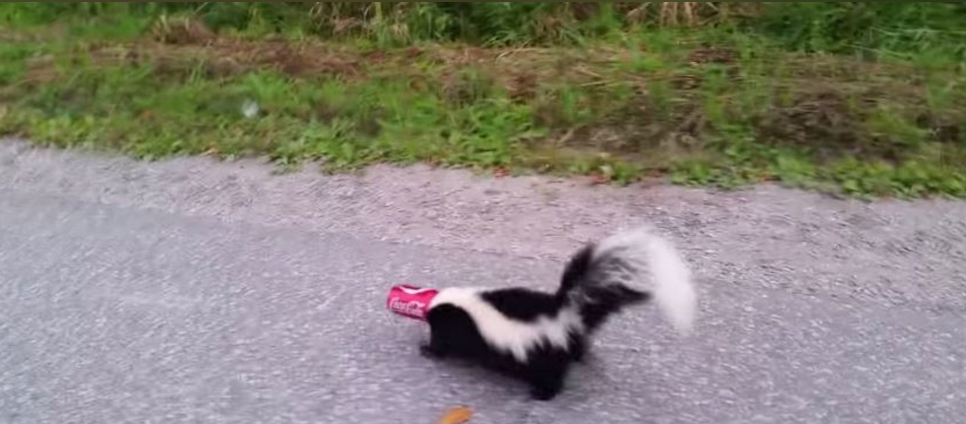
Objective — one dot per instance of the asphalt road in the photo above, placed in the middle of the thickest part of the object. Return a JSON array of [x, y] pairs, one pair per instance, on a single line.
[[192, 292]]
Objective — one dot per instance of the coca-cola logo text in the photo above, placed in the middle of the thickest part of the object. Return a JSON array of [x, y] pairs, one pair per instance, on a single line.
[[412, 308]]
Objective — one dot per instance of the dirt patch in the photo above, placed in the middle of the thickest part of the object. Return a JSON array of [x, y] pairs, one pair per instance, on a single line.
[[711, 54], [189, 49], [824, 120], [831, 118], [229, 57], [182, 31]]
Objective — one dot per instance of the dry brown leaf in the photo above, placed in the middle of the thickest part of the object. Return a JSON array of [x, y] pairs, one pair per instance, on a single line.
[[459, 415]]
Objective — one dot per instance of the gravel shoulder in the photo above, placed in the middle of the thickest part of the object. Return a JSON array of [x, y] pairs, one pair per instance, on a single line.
[[897, 252]]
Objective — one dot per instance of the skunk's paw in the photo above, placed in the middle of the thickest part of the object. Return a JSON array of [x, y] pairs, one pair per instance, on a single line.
[[428, 351], [544, 394]]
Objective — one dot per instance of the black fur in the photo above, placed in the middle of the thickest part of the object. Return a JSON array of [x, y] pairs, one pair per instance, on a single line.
[[604, 300], [454, 334], [523, 304]]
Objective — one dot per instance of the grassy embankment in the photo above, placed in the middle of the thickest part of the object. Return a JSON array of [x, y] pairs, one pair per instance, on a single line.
[[865, 99]]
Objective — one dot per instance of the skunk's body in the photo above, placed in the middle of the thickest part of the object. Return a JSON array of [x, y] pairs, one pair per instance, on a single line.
[[535, 336]]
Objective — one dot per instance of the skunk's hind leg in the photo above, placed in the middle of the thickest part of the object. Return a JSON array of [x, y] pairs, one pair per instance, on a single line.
[[578, 349], [546, 374]]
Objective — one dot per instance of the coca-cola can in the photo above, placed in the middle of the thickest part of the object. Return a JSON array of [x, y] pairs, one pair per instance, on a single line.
[[410, 301]]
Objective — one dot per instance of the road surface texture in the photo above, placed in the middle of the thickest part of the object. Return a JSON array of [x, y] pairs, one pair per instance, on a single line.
[[192, 291]]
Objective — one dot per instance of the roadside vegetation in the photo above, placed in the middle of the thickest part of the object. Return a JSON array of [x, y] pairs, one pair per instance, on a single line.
[[856, 98]]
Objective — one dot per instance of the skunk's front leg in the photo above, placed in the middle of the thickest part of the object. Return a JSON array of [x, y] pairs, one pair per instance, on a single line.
[[432, 351]]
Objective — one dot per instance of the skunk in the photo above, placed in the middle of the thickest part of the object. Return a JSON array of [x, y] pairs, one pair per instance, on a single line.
[[535, 336]]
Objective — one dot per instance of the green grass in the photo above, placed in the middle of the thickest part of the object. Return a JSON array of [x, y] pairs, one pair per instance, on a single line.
[[151, 113], [725, 107]]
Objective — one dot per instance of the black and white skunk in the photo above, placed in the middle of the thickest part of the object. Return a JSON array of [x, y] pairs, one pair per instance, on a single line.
[[535, 336]]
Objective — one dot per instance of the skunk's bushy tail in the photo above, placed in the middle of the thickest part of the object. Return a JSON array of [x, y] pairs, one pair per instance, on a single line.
[[600, 278]]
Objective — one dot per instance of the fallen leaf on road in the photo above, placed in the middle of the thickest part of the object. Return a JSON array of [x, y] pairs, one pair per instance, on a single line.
[[458, 415]]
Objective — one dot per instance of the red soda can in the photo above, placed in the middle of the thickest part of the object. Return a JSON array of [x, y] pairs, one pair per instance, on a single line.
[[410, 301]]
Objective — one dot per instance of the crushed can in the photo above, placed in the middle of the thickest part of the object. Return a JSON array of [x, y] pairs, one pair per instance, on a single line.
[[410, 301]]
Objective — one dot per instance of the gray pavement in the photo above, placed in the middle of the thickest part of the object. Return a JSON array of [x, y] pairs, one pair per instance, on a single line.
[[190, 291]]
